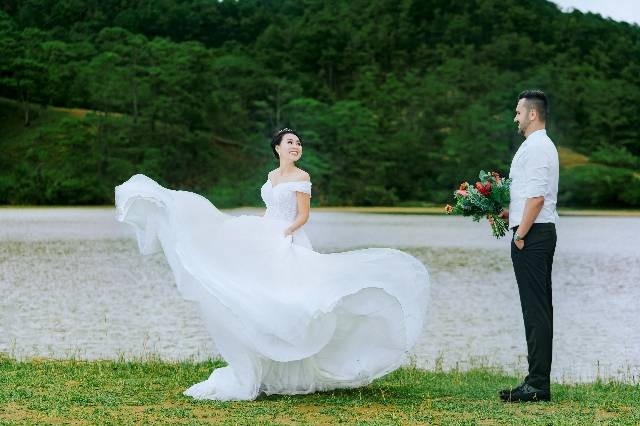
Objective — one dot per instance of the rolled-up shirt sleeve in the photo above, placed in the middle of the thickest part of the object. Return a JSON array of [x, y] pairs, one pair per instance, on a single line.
[[537, 168]]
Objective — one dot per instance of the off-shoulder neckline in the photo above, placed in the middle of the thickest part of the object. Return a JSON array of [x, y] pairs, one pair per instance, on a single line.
[[282, 183]]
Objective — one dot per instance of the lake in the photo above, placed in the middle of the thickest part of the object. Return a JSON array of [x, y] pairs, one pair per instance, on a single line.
[[73, 285]]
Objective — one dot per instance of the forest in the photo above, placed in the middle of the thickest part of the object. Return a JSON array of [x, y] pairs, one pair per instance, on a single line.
[[397, 102]]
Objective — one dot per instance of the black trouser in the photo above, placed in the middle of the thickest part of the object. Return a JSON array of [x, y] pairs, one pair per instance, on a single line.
[[532, 266]]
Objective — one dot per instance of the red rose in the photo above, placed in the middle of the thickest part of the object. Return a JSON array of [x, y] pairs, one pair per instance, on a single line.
[[487, 189], [484, 189]]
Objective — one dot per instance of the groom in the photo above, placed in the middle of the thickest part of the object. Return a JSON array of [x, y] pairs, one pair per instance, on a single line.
[[532, 217]]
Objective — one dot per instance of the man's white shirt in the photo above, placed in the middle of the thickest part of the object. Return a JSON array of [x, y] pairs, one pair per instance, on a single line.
[[534, 173]]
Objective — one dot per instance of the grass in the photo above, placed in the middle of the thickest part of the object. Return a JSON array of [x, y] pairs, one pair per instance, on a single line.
[[569, 157], [35, 108], [150, 392]]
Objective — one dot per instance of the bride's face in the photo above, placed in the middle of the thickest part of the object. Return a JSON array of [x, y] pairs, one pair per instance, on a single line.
[[290, 147], [522, 118]]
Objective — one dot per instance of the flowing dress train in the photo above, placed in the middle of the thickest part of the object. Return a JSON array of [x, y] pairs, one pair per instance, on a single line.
[[286, 319]]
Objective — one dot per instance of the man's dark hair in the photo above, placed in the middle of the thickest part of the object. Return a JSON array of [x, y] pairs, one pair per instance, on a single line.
[[277, 138], [537, 100]]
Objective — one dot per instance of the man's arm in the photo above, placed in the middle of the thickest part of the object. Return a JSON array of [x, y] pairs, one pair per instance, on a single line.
[[532, 209], [537, 172]]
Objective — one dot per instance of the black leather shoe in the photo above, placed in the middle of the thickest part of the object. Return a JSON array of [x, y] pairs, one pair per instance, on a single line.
[[510, 390], [526, 393]]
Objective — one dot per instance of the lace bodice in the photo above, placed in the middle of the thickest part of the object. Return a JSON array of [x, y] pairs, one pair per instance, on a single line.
[[281, 199]]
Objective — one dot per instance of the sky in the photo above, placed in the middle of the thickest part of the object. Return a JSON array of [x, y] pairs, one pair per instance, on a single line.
[[619, 10]]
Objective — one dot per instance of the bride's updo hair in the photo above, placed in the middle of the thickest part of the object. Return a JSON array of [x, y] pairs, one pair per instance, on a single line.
[[277, 138]]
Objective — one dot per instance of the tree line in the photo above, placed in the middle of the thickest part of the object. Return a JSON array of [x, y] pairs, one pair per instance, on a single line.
[[397, 102]]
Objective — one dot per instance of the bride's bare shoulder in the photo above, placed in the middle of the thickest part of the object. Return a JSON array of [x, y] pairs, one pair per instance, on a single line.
[[302, 176]]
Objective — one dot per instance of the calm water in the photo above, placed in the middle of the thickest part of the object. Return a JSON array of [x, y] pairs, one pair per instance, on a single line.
[[72, 284]]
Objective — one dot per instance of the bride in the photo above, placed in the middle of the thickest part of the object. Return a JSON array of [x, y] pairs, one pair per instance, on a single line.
[[286, 319]]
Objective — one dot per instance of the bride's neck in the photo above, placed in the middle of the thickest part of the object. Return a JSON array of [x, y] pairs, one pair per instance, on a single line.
[[286, 168]]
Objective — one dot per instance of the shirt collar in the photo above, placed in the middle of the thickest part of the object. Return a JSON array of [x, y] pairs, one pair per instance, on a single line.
[[541, 132]]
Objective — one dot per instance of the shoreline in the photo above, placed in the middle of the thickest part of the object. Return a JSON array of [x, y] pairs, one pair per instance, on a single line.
[[431, 210]]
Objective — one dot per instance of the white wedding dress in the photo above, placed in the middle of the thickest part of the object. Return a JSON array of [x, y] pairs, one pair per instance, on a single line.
[[286, 319]]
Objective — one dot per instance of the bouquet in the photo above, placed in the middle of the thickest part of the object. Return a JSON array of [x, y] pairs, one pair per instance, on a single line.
[[486, 199]]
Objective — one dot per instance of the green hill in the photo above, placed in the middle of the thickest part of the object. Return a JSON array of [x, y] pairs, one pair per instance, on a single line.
[[397, 102]]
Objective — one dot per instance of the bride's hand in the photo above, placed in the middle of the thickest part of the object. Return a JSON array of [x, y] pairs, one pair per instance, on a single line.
[[288, 237]]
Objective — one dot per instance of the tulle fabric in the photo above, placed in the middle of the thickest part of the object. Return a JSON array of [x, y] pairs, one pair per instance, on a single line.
[[286, 319]]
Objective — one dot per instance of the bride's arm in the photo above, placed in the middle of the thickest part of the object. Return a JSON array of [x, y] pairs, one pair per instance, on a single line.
[[304, 205]]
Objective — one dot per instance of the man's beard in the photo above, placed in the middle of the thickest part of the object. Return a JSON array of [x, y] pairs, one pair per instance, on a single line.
[[522, 127]]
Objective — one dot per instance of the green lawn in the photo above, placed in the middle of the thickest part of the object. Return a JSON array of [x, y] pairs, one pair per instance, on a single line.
[[150, 392]]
